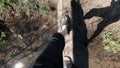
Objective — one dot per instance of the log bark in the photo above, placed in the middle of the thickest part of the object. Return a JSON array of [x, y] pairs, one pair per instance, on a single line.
[[64, 8]]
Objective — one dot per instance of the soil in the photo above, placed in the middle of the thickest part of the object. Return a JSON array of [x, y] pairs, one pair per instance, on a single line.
[[99, 16], [101, 12], [34, 30]]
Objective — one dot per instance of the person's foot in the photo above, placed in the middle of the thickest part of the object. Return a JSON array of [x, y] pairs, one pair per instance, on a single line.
[[64, 25], [67, 62]]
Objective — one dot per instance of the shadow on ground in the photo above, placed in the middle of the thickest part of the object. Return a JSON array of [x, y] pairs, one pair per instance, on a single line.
[[109, 14], [80, 50]]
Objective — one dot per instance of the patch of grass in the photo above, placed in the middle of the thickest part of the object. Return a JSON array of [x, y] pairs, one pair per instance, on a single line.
[[29, 5], [35, 6], [3, 35], [4, 32], [17, 7], [2, 5], [3, 43], [111, 43], [7, 4], [44, 10], [13, 52]]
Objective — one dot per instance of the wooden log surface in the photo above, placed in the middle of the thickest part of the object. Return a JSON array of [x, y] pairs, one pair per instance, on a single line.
[[64, 8]]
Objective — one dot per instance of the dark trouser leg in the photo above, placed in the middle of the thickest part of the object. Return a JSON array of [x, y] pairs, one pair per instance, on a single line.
[[52, 55]]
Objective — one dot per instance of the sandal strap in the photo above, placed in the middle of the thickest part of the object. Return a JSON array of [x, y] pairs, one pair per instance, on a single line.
[[68, 23], [68, 63]]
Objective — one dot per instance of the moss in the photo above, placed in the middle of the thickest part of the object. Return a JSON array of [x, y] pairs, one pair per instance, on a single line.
[[111, 43]]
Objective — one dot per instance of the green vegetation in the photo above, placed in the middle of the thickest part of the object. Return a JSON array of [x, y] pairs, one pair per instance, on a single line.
[[7, 4], [2, 5], [11, 53], [20, 36], [111, 43], [44, 11], [17, 7], [3, 43], [3, 35], [35, 6], [29, 5]]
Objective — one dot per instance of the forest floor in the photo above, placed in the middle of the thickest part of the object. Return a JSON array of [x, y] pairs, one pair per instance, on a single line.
[[26, 25]]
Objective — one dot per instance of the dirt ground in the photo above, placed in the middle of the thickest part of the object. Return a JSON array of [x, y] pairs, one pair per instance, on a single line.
[[104, 12], [36, 29]]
